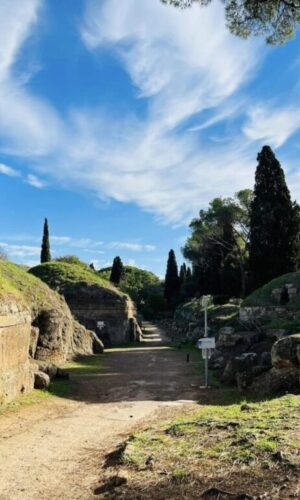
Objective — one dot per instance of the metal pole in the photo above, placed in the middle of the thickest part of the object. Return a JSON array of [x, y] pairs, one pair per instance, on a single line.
[[206, 353]]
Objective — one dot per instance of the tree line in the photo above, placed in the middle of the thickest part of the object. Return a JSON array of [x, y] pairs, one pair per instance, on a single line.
[[238, 244]]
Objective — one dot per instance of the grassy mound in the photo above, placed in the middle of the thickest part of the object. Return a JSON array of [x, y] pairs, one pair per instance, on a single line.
[[263, 296], [58, 275], [17, 283]]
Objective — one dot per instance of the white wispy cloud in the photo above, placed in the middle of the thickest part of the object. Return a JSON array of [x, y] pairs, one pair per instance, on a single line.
[[188, 64], [272, 124], [9, 171], [132, 247], [35, 181], [20, 250]]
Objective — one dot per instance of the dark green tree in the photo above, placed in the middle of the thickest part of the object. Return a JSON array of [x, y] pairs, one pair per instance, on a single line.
[[274, 223], [117, 271], [182, 273], [172, 282], [217, 246], [45, 251], [277, 20]]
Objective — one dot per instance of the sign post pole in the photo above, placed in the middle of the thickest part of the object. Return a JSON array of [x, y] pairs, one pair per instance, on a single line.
[[205, 302]]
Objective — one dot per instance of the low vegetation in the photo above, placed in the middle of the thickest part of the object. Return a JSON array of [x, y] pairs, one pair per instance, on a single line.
[[27, 288], [143, 287], [229, 447], [58, 274]]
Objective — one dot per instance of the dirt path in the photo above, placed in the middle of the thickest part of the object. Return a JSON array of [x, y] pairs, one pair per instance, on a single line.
[[55, 449]]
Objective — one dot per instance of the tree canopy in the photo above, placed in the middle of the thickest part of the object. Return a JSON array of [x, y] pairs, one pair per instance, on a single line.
[[276, 20], [274, 223], [217, 246], [117, 271], [45, 250], [172, 281]]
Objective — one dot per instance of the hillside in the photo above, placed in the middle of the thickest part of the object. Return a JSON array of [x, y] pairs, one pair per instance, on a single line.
[[264, 296], [31, 291], [59, 275]]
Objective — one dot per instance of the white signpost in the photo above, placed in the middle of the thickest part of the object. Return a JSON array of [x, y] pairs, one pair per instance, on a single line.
[[206, 344]]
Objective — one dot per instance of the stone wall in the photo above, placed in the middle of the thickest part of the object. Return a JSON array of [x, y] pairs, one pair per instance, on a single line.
[[92, 304], [261, 313], [16, 376]]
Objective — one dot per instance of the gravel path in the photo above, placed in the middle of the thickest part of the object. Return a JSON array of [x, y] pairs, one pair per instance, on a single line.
[[54, 450]]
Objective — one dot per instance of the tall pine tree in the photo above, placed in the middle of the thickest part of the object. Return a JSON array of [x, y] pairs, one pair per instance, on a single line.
[[274, 223], [172, 281], [45, 251], [117, 271]]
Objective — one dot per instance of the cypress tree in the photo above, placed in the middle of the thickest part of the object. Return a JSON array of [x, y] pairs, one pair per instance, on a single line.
[[117, 271], [182, 273], [45, 251], [274, 223], [172, 281]]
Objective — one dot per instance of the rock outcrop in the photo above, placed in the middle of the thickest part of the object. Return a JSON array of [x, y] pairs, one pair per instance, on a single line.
[[35, 323], [94, 302], [16, 376]]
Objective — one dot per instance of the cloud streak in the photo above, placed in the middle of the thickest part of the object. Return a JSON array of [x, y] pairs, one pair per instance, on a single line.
[[188, 73]]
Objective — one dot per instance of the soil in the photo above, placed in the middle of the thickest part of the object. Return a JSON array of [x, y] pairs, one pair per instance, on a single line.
[[54, 450]]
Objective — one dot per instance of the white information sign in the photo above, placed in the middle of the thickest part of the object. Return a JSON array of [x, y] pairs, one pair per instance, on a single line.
[[100, 324], [206, 343]]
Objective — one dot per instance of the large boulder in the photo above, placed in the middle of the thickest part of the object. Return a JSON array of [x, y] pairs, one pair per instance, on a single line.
[[285, 373], [275, 381], [41, 380], [286, 352]]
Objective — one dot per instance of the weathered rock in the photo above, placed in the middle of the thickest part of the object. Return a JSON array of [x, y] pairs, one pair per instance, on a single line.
[[276, 381], [49, 369], [85, 341], [92, 304], [285, 352], [276, 333], [15, 373], [239, 364], [265, 359], [34, 337], [41, 380]]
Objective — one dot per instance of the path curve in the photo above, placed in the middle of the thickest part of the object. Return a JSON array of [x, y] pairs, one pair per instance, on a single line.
[[54, 450]]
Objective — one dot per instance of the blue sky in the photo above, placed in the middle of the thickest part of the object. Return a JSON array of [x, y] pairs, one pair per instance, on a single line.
[[120, 119]]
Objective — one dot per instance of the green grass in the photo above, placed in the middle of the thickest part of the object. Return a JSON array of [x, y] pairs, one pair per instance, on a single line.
[[63, 388], [32, 398], [262, 296], [84, 365], [220, 436], [58, 275], [18, 283]]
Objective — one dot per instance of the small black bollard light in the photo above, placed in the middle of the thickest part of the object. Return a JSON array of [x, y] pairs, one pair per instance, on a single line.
[[188, 357]]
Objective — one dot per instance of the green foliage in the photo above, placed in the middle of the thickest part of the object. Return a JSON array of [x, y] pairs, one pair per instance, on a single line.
[[277, 20], [172, 282], [217, 246], [274, 223], [71, 259], [143, 287], [117, 271], [45, 251], [58, 275]]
